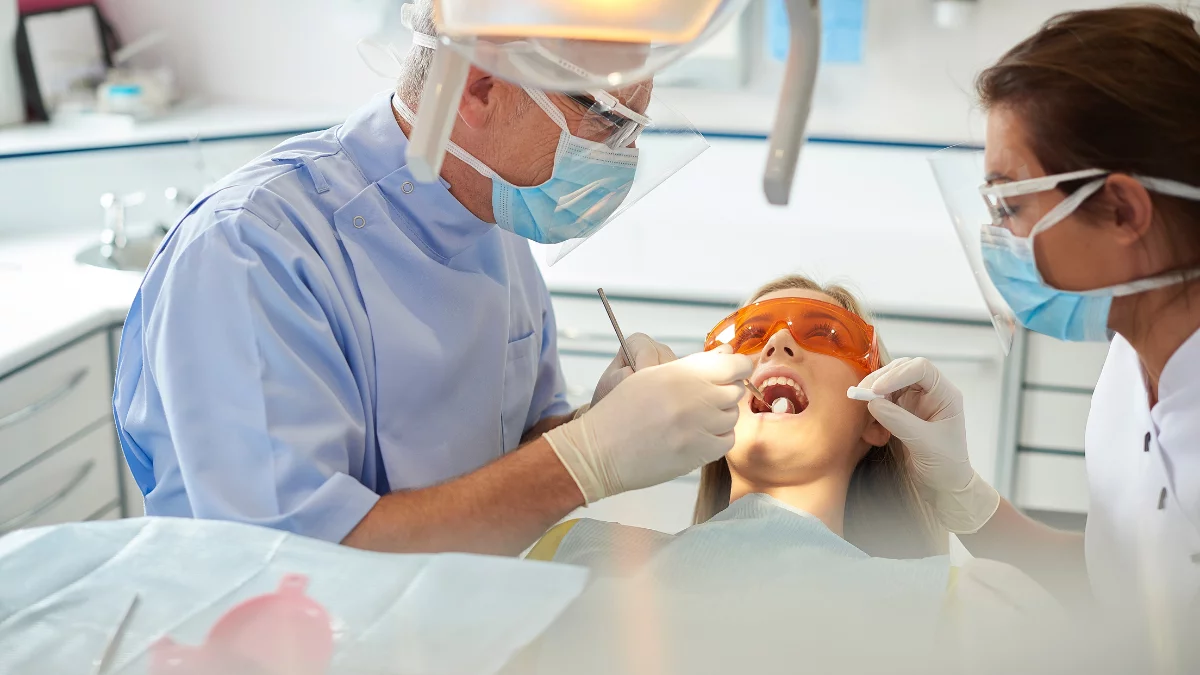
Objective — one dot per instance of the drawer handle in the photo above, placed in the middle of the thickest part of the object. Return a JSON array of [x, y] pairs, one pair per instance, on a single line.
[[43, 403], [19, 521]]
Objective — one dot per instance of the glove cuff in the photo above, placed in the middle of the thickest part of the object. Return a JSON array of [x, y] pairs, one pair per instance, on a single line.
[[967, 510], [576, 449]]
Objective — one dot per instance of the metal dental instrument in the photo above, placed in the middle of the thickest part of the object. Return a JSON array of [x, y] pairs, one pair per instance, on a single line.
[[620, 336], [754, 391], [106, 657], [629, 357]]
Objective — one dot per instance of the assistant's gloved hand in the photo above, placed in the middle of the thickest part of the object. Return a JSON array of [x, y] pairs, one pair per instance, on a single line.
[[661, 423], [646, 353], [929, 420]]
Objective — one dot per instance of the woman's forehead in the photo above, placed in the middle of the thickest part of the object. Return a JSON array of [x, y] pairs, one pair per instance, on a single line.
[[799, 293]]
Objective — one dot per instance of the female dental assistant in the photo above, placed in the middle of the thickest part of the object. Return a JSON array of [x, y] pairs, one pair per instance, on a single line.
[[326, 346], [1093, 183]]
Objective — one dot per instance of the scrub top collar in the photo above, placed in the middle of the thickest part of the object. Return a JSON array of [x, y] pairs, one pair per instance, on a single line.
[[1178, 376], [375, 143]]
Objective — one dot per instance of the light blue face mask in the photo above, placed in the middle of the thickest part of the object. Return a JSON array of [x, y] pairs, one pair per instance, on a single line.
[[1078, 316], [589, 183]]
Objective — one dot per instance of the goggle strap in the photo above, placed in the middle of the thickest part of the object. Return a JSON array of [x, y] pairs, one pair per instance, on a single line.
[[451, 147]]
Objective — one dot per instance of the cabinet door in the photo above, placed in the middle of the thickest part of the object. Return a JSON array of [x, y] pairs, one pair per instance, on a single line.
[[71, 483], [47, 402]]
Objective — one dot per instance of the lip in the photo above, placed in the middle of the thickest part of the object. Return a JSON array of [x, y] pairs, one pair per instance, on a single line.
[[765, 373]]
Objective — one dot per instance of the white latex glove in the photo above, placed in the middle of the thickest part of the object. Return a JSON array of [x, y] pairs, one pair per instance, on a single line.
[[646, 354], [929, 420], [661, 423]]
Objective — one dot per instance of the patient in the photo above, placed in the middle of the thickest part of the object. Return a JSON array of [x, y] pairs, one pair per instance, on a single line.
[[820, 457], [809, 535]]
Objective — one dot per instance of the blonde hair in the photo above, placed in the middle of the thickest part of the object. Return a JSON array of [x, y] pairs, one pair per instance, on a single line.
[[885, 515]]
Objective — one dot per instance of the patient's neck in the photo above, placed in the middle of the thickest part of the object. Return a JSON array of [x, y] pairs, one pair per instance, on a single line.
[[823, 496]]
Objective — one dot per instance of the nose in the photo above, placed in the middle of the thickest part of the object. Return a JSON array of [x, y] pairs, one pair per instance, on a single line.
[[781, 342]]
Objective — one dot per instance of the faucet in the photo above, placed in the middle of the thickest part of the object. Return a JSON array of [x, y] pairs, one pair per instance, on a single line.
[[113, 237]]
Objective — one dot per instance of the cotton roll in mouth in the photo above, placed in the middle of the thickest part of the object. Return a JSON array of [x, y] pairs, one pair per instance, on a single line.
[[863, 394]]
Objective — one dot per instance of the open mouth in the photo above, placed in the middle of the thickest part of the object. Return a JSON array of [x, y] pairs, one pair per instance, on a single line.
[[782, 395]]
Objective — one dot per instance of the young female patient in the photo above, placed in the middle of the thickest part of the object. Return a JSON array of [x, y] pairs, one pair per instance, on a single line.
[[820, 463]]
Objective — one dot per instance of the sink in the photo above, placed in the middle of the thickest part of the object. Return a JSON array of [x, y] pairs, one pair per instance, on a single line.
[[135, 256]]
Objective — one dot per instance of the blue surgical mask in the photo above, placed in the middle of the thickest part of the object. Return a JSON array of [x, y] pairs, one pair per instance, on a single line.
[[589, 182], [1078, 316]]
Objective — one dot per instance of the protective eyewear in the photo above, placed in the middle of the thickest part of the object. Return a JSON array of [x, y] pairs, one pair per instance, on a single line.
[[626, 125], [816, 326]]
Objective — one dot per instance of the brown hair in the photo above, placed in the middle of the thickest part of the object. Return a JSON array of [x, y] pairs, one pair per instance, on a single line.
[[885, 516], [1115, 89]]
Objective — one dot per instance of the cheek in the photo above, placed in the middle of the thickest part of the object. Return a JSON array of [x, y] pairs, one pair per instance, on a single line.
[[1067, 255]]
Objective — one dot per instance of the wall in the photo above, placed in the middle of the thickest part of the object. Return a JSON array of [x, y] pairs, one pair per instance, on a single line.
[[914, 83]]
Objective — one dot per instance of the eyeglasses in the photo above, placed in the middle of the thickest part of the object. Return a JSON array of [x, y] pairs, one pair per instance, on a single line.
[[816, 326], [628, 124]]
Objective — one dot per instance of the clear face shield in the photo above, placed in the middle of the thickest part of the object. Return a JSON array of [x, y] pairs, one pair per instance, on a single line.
[[592, 49], [959, 175], [602, 164]]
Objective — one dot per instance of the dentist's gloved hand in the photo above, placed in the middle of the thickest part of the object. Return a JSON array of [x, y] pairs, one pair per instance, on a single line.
[[929, 420], [646, 353], [659, 424]]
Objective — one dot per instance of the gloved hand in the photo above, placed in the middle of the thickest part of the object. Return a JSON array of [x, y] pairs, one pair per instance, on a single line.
[[661, 423], [646, 353], [929, 420]]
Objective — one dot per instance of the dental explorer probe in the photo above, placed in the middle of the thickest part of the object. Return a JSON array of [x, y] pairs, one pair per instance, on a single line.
[[629, 357]]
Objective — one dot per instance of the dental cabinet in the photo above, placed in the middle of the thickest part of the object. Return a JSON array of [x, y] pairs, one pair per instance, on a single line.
[[59, 459]]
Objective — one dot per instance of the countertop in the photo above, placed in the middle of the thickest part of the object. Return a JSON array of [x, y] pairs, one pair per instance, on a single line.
[[47, 300], [869, 217]]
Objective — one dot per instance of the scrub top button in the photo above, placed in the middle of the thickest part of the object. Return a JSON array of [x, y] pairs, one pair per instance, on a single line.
[[1162, 499], [407, 188], [1147, 448], [360, 222]]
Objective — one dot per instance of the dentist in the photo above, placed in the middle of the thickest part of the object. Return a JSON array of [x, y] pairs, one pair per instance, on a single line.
[[326, 346]]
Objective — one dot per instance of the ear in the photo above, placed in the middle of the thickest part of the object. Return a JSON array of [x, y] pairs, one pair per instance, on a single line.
[[1133, 210], [478, 98], [875, 435]]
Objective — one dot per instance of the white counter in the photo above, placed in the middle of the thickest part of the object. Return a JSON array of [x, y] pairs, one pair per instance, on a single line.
[[869, 216], [46, 300]]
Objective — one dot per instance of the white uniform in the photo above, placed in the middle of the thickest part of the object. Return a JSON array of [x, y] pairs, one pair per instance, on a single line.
[[1143, 465]]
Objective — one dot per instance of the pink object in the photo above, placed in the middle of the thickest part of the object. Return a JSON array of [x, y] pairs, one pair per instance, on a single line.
[[281, 633], [26, 6]]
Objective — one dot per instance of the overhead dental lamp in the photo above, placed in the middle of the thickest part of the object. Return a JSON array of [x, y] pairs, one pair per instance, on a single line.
[[575, 46]]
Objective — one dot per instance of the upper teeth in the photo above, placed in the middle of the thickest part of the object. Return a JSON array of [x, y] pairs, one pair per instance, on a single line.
[[786, 381]]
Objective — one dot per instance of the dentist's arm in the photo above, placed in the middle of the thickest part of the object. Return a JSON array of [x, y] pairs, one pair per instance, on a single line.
[[659, 424], [928, 418]]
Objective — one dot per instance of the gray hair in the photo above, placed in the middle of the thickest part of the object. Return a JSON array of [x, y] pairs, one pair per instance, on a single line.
[[419, 59]]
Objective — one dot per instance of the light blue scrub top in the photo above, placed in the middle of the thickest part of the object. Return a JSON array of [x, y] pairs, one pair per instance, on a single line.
[[321, 329]]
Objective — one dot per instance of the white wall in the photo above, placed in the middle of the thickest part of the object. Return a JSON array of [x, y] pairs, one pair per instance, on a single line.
[[914, 83]]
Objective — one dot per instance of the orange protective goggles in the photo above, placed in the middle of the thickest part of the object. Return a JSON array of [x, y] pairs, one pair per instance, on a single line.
[[816, 326]]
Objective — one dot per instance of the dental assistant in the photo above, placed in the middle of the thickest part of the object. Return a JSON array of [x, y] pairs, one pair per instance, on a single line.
[[326, 346], [1093, 183]]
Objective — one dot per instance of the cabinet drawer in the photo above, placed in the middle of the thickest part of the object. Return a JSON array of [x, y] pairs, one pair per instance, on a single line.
[[112, 512], [1053, 363], [1053, 420], [69, 484], [46, 403], [1048, 482]]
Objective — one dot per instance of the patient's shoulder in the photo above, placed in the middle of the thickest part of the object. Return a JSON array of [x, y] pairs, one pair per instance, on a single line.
[[547, 546], [607, 548]]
